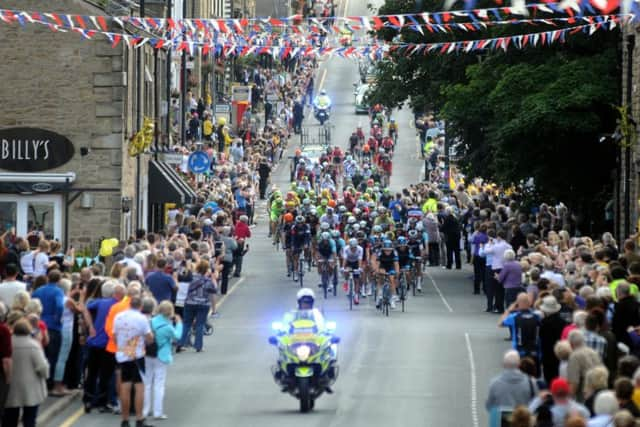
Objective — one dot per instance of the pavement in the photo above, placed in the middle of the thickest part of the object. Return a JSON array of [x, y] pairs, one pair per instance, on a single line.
[[429, 366]]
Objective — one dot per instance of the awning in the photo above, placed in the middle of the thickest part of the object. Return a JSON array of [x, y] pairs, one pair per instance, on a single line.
[[166, 186], [35, 182]]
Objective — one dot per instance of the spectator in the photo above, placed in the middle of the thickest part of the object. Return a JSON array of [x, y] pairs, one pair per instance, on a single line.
[[624, 393], [199, 300], [596, 380], [161, 284], [5, 358], [165, 333], [551, 327], [510, 277], [605, 407], [229, 248], [52, 299], [561, 403], [11, 285], [512, 387], [28, 378], [582, 359], [131, 331], [100, 363]]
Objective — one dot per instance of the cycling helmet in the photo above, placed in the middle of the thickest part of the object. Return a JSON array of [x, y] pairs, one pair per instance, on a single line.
[[313, 211], [387, 244], [306, 295], [288, 217], [419, 226], [306, 201], [402, 241], [351, 220], [323, 92], [374, 239], [325, 235], [300, 219], [324, 202], [324, 226], [342, 209], [335, 233], [360, 235], [392, 120], [413, 234], [329, 210], [356, 227], [353, 243], [363, 224], [377, 229], [381, 209], [301, 162], [357, 211], [349, 158]]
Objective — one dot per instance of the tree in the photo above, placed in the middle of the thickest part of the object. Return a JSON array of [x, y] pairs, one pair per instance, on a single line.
[[533, 113]]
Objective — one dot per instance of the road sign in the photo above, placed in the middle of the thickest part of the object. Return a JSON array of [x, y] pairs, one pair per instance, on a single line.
[[223, 109], [199, 162]]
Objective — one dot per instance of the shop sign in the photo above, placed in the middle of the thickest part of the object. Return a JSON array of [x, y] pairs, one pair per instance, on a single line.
[[241, 94], [33, 150]]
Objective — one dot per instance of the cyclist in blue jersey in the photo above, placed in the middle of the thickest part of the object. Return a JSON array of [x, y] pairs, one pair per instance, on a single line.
[[385, 261]]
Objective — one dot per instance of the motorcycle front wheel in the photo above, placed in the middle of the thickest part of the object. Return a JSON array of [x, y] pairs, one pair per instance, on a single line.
[[304, 389]]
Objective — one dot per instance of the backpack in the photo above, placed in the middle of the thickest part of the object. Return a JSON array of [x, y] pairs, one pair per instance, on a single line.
[[527, 326], [151, 349]]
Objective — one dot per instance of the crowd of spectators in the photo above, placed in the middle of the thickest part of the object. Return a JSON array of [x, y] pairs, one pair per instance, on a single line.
[[113, 326]]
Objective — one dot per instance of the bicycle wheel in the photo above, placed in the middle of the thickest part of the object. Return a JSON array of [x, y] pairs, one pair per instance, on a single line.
[[293, 270], [403, 293], [301, 273], [350, 294], [335, 281], [325, 281], [414, 280]]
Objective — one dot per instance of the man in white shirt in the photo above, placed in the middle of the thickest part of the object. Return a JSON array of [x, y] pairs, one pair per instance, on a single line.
[[131, 330], [129, 253], [496, 249], [11, 286]]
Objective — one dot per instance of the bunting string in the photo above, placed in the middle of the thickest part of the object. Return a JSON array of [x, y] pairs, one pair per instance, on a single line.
[[290, 48]]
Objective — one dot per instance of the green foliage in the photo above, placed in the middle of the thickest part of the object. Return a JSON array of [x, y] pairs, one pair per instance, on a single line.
[[536, 112]]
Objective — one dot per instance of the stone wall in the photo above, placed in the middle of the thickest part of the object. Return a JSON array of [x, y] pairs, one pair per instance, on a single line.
[[85, 91]]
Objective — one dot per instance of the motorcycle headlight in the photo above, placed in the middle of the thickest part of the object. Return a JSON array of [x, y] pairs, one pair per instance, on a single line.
[[303, 352]]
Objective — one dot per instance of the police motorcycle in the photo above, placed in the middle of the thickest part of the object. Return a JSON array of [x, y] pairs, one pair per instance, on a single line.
[[322, 107], [307, 352]]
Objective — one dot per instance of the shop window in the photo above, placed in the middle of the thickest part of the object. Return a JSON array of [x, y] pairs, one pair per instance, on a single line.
[[40, 216], [8, 216]]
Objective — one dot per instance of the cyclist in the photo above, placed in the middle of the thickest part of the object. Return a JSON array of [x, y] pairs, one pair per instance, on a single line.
[[405, 257], [393, 130], [417, 250], [352, 257], [330, 218], [360, 134], [326, 252], [276, 211], [354, 141], [385, 261], [300, 235], [287, 225], [365, 244], [314, 225]]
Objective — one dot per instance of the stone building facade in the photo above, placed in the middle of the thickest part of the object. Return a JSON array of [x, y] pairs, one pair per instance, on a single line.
[[87, 92]]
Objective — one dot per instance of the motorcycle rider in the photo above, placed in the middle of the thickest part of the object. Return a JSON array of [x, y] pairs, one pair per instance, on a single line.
[[322, 101], [306, 298]]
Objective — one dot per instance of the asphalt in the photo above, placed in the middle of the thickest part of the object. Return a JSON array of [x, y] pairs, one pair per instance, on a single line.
[[429, 366]]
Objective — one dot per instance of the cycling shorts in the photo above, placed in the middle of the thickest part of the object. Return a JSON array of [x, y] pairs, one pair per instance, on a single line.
[[390, 270], [353, 265]]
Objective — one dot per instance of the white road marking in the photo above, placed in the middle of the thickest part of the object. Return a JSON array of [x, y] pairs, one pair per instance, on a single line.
[[324, 76], [444, 300], [474, 391]]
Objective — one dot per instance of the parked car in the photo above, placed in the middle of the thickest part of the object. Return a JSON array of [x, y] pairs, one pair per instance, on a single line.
[[362, 104]]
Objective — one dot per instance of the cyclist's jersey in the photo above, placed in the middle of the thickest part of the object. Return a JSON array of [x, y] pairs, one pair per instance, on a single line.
[[286, 229], [415, 246], [313, 222], [387, 260], [275, 213], [332, 220], [326, 248], [300, 234], [351, 256], [393, 127], [340, 244], [404, 256]]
